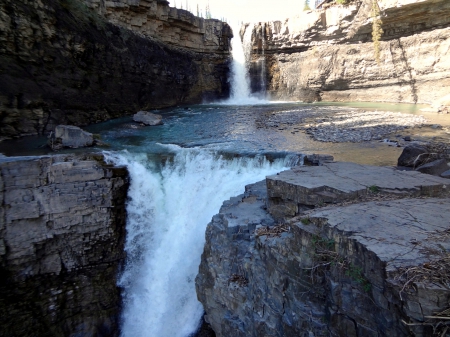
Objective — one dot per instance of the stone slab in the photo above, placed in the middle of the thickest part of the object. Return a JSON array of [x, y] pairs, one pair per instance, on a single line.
[[401, 233], [291, 191], [330, 270]]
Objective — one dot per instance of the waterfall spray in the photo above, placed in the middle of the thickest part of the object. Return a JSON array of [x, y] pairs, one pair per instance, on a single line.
[[169, 207], [262, 60], [240, 81]]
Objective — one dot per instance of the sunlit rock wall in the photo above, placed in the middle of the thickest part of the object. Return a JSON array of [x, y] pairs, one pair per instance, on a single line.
[[329, 54]]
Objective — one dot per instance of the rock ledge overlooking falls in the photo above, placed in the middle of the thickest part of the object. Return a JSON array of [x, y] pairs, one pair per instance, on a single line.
[[336, 250]]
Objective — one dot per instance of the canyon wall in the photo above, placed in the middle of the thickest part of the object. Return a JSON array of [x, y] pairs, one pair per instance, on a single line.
[[334, 250], [329, 54], [62, 231], [81, 62]]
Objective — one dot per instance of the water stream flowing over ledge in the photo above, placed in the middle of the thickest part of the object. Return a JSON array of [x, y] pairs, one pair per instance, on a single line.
[[169, 206]]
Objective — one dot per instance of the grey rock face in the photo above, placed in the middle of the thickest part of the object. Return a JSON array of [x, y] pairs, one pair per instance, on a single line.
[[333, 271], [62, 230], [291, 191], [66, 64], [72, 136], [410, 154], [147, 118], [436, 167]]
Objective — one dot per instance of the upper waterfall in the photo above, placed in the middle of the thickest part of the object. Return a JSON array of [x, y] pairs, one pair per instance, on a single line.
[[240, 80]]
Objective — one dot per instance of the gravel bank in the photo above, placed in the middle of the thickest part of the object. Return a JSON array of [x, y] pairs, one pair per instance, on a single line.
[[332, 124]]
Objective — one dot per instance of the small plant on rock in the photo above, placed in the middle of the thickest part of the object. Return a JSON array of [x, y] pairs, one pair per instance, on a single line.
[[356, 274], [374, 189], [305, 221]]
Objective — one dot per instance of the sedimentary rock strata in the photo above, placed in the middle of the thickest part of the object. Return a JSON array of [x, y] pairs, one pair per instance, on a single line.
[[61, 62], [371, 268], [329, 54], [62, 231]]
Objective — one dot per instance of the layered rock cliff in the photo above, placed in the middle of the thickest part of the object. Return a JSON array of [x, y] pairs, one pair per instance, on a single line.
[[278, 262], [62, 231], [62, 62], [329, 54]]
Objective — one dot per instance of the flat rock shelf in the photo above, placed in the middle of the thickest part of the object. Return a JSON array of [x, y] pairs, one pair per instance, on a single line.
[[357, 257]]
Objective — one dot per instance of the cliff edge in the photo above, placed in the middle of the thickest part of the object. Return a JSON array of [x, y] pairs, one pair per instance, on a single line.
[[64, 62], [328, 54], [335, 250], [62, 232]]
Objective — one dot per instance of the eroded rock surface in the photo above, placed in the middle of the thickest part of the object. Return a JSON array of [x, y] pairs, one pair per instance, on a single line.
[[63, 63], [332, 271], [147, 118], [62, 231], [289, 192], [71, 136], [329, 55]]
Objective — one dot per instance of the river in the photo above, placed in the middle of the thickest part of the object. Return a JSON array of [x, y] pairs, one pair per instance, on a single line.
[[183, 170]]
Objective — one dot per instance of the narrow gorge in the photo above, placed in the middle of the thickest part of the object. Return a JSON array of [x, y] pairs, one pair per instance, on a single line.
[[108, 241], [82, 62]]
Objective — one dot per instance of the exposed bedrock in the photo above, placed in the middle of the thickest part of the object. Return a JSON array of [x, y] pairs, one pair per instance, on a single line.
[[61, 62], [62, 231], [329, 54], [370, 266]]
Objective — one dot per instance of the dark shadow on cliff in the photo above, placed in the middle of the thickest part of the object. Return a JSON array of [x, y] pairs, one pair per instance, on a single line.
[[65, 64], [402, 65]]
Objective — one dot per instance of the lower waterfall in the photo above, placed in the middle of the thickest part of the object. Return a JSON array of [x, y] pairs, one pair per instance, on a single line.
[[170, 203]]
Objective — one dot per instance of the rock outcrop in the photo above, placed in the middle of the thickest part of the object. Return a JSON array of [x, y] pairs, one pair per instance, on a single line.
[[61, 62], [426, 158], [70, 136], [154, 19], [147, 118], [62, 231], [329, 54], [371, 266]]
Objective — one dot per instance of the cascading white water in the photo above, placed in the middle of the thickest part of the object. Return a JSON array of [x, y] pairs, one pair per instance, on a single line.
[[240, 81], [168, 210], [262, 61]]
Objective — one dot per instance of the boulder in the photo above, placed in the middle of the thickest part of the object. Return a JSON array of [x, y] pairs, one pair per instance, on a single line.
[[436, 167], [70, 136], [147, 118], [446, 174], [410, 154], [442, 105]]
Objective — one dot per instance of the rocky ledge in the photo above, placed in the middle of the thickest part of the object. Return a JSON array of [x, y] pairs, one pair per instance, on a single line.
[[355, 251], [62, 231]]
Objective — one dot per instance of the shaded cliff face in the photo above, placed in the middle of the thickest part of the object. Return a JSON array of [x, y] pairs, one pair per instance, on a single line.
[[62, 231], [329, 54], [61, 63]]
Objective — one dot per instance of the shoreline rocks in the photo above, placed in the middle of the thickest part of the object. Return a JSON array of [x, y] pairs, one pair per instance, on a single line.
[[70, 136], [148, 118], [428, 158]]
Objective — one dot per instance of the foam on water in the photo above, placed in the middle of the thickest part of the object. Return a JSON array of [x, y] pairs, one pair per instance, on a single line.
[[168, 209]]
